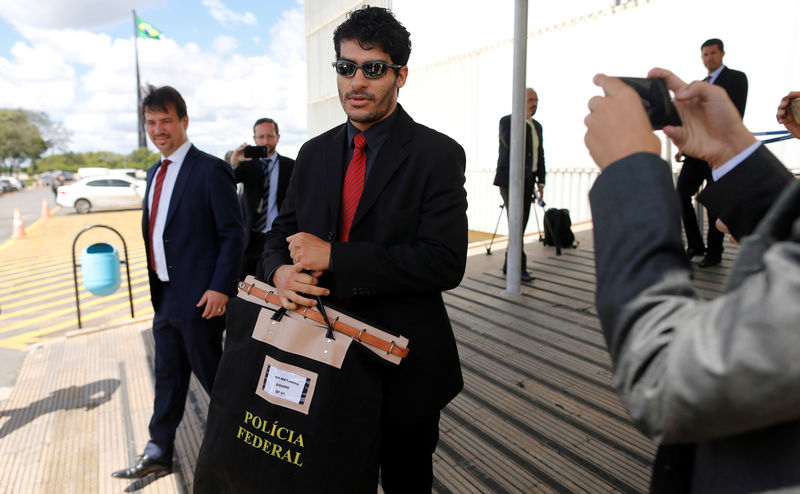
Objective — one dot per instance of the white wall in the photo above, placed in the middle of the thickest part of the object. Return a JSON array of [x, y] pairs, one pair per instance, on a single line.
[[460, 72]]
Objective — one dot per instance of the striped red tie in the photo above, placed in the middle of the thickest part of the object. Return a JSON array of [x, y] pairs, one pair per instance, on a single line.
[[353, 187], [162, 171]]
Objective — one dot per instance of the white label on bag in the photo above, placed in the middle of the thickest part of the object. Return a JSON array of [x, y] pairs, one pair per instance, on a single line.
[[286, 385]]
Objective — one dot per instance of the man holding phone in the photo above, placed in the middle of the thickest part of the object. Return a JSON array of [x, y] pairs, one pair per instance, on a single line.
[[695, 171], [265, 176]]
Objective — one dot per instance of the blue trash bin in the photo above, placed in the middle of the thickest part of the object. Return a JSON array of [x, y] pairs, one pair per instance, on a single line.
[[100, 268]]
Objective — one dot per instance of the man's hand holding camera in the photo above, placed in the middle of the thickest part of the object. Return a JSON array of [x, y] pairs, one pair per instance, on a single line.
[[617, 125], [247, 152], [788, 112], [238, 155], [712, 128]]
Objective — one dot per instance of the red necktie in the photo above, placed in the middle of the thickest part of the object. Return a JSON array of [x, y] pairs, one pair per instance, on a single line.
[[162, 171], [353, 187]]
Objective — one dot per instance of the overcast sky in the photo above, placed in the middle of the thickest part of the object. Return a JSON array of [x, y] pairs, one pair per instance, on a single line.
[[233, 61]]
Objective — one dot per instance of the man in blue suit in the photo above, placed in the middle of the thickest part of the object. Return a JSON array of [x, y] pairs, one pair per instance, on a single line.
[[192, 229]]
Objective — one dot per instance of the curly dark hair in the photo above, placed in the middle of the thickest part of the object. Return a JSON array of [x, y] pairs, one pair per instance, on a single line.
[[161, 98], [375, 27]]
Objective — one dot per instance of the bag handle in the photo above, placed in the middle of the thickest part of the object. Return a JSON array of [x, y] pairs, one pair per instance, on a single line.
[[321, 308], [390, 347]]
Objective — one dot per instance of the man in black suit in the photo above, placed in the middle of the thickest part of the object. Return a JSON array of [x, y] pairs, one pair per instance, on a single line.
[[386, 253], [534, 170], [695, 171], [265, 180], [192, 230]]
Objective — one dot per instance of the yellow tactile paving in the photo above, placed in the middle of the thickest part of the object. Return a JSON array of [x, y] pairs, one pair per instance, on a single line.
[[37, 290]]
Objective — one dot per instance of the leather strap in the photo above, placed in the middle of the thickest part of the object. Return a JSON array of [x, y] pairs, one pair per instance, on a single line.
[[357, 334]]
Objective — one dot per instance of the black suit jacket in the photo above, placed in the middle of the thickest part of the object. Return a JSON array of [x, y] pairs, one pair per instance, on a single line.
[[503, 159], [407, 244], [202, 235], [251, 174], [735, 83]]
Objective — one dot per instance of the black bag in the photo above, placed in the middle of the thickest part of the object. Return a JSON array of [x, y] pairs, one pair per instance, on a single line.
[[295, 407], [558, 229]]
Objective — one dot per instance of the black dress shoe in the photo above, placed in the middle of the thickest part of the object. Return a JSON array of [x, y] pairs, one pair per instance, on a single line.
[[709, 261], [691, 252], [145, 466], [525, 276]]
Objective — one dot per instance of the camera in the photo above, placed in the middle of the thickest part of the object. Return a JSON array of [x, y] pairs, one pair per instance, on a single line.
[[655, 98], [256, 152]]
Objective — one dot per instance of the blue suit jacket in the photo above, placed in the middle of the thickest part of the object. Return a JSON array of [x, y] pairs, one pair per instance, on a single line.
[[202, 235]]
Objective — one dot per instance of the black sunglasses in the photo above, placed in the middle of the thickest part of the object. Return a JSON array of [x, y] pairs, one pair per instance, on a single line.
[[371, 70]]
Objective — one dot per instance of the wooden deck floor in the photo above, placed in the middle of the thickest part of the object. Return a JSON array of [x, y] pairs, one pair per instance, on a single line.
[[538, 412]]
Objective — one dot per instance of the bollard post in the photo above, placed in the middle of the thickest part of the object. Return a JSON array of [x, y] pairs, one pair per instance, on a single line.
[[18, 226], [45, 209]]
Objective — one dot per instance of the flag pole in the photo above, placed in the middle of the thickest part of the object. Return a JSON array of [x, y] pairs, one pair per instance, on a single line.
[[142, 140]]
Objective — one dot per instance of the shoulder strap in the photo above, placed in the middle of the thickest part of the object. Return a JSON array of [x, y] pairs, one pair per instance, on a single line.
[[316, 315]]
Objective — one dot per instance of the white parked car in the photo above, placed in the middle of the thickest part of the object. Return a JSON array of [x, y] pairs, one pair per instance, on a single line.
[[101, 192], [14, 182]]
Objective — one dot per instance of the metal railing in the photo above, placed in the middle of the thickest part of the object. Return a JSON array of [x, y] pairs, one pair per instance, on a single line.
[[566, 188]]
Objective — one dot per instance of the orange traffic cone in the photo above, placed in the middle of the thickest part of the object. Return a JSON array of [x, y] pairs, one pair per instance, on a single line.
[[19, 227], [45, 209]]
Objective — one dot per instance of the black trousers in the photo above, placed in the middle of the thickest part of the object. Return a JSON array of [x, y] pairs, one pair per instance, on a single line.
[[251, 258], [527, 200], [183, 345], [407, 456], [692, 175]]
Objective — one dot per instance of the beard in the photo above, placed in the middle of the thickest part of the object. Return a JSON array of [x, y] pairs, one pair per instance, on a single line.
[[380, 108]]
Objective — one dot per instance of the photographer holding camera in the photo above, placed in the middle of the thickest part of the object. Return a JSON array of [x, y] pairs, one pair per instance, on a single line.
[[265, 175], [714, 382]]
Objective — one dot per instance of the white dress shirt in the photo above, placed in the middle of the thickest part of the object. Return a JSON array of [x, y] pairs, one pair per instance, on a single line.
[[176, 160], [712, 77]]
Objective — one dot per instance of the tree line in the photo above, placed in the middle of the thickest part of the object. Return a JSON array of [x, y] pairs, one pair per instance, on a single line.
[[25, 136]]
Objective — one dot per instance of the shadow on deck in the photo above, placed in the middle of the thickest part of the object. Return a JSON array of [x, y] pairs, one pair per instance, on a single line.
[[538, 412]]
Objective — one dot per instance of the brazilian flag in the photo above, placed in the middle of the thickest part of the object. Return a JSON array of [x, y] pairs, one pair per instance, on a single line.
[[146, 30]]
